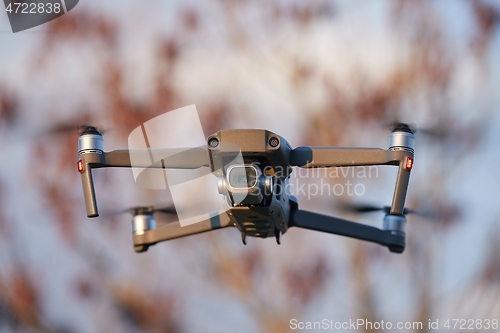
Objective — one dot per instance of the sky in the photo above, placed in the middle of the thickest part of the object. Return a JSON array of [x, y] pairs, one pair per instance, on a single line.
[[250, 68]]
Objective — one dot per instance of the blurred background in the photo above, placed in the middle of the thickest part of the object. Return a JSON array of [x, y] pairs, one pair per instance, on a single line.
[[315, 72]]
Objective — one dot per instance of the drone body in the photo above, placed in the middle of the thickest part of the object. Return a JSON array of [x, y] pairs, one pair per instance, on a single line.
[[253, 169]]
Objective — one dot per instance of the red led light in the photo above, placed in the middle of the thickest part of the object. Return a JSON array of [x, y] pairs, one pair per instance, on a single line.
[[409, 163], [80, 166]]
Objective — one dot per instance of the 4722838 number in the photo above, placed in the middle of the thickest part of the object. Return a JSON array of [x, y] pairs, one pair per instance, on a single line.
[[33, 8], [471, 324]]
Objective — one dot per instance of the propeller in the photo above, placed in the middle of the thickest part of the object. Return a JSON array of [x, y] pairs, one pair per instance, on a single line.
[[397, 125], [152, 210], [139, 210], [69, 128], [366, 208]]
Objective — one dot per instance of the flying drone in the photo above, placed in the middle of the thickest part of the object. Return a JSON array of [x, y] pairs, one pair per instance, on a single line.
[[254, 203]]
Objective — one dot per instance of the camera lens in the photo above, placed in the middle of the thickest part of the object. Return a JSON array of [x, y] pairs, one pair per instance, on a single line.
[[213, 142], [242, 177], [274, 142]]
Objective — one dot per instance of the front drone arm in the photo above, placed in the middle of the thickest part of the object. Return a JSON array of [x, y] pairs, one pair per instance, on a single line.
[[316, 157], [182, 158], [308, 220], [175, 230], [172, 158]]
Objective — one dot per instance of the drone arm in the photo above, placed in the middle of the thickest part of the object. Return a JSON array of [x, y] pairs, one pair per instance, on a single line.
[[178, 158], [402, 181], [333, 225], [182, 158], [175, 230], [317, 157], [89, 192]]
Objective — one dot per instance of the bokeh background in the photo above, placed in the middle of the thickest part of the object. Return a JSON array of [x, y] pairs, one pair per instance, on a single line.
[[315, 72]]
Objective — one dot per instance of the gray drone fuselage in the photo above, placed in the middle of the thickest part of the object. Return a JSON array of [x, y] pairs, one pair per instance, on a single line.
[[269, 213], [253, 167]]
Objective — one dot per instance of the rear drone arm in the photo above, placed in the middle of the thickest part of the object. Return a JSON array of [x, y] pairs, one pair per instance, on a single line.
[[317, 157], [173, 230], [182, 158], [307, 220]]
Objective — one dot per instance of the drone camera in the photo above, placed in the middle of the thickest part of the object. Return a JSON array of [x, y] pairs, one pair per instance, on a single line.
[[242, 176], [245, 184]]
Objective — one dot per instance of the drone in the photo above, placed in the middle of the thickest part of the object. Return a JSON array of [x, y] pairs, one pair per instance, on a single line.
[[250, 186]]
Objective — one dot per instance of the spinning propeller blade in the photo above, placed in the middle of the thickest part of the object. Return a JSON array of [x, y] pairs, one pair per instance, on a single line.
[[108, 213], [69, 128], [436, 133], [138, 210], [165, 210], [152, 210], [365, 208]]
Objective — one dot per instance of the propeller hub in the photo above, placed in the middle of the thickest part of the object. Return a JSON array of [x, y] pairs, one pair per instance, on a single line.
[[89, 130], [402, 138], [141, 210], [90, 141], [142, 223], [401, 127], [395, 223]]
